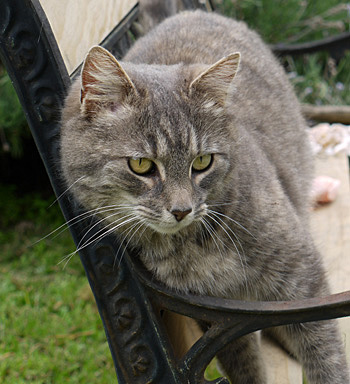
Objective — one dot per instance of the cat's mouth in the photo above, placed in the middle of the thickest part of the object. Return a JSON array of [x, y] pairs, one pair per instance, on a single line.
[[170, 223], [169, 227]]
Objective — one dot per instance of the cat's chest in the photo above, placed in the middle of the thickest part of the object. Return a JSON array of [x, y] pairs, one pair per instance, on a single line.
[[190, 267]]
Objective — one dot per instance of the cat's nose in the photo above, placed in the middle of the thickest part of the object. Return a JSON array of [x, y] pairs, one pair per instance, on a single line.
[[180, 214]]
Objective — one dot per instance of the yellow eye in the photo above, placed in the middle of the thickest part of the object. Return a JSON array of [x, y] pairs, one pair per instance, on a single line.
[[141, 166], [201, 163]]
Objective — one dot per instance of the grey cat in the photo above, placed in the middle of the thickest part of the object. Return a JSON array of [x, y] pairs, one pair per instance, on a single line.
[[193, 151]]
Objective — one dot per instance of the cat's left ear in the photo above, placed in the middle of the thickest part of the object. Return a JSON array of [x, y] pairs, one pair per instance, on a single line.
[[216, 80], [103, 81]]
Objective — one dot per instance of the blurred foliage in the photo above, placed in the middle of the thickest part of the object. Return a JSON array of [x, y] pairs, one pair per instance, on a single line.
[[13, 126], [16, 207], [317, 78], [290, 21]]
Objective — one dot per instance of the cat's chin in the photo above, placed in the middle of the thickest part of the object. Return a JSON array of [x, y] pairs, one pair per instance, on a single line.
[[166, 229]]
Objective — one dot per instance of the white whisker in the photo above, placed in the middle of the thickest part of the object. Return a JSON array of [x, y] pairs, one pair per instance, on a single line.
[[220, 222], [94, 240], [213, 213], [202, 234], [98, 223], [83, 216], [234, 221], [228, 235], [64, 192], [139, 224], [212, 232], [103, 232]]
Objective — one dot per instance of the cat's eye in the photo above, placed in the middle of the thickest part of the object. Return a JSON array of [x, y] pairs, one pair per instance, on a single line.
[[141, 166], [201, 163]]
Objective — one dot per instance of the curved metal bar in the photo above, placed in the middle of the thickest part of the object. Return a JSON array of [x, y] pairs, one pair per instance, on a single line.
[[193, 364], [335, 45], [241, 318], [232, 319], [193, 4], [311, 309]]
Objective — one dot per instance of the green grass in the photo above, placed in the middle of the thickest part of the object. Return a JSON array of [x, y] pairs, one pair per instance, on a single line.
[[50, 330], [317, 79], [290, 21]]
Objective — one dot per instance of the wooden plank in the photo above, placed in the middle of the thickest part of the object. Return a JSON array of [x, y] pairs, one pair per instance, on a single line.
[[331, 230], [80, 24], [183, 332], [332, 113], [331, 223], [280, 368]]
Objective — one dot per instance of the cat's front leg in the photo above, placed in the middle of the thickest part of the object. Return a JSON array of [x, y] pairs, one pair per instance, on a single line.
[[319, 349], [242, 362]]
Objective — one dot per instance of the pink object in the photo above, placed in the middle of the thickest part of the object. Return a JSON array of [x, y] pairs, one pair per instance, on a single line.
[[324, 189]]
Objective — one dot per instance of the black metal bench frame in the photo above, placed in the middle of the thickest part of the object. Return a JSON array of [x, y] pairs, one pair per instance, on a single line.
[[126, 296]]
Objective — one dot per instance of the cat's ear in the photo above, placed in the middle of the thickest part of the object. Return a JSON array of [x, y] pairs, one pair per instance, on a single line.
[[215, 81], [103, 81]]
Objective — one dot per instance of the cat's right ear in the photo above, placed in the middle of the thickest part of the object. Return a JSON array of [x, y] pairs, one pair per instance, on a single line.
[[103, 82]]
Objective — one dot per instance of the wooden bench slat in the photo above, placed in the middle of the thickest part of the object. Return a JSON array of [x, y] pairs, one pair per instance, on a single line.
[[80, 24], [331, 230]]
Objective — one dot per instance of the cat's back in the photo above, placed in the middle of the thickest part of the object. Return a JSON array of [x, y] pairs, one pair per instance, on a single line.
[[193, 37]]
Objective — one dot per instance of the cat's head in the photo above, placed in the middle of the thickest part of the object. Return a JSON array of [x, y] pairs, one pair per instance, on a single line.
[[148, 145]]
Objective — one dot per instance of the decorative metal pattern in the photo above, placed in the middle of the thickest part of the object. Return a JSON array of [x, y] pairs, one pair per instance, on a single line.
[[127, 313]]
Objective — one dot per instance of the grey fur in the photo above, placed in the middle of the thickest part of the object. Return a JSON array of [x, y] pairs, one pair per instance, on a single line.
[[247, 235]]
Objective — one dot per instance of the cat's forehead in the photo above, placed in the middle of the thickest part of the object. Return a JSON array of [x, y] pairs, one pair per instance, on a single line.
[[170, 134], [168, 124], [175, 140], [156, 79], [165, 118]]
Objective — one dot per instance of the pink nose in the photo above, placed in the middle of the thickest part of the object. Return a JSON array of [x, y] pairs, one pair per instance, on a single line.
[[179, 215]]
